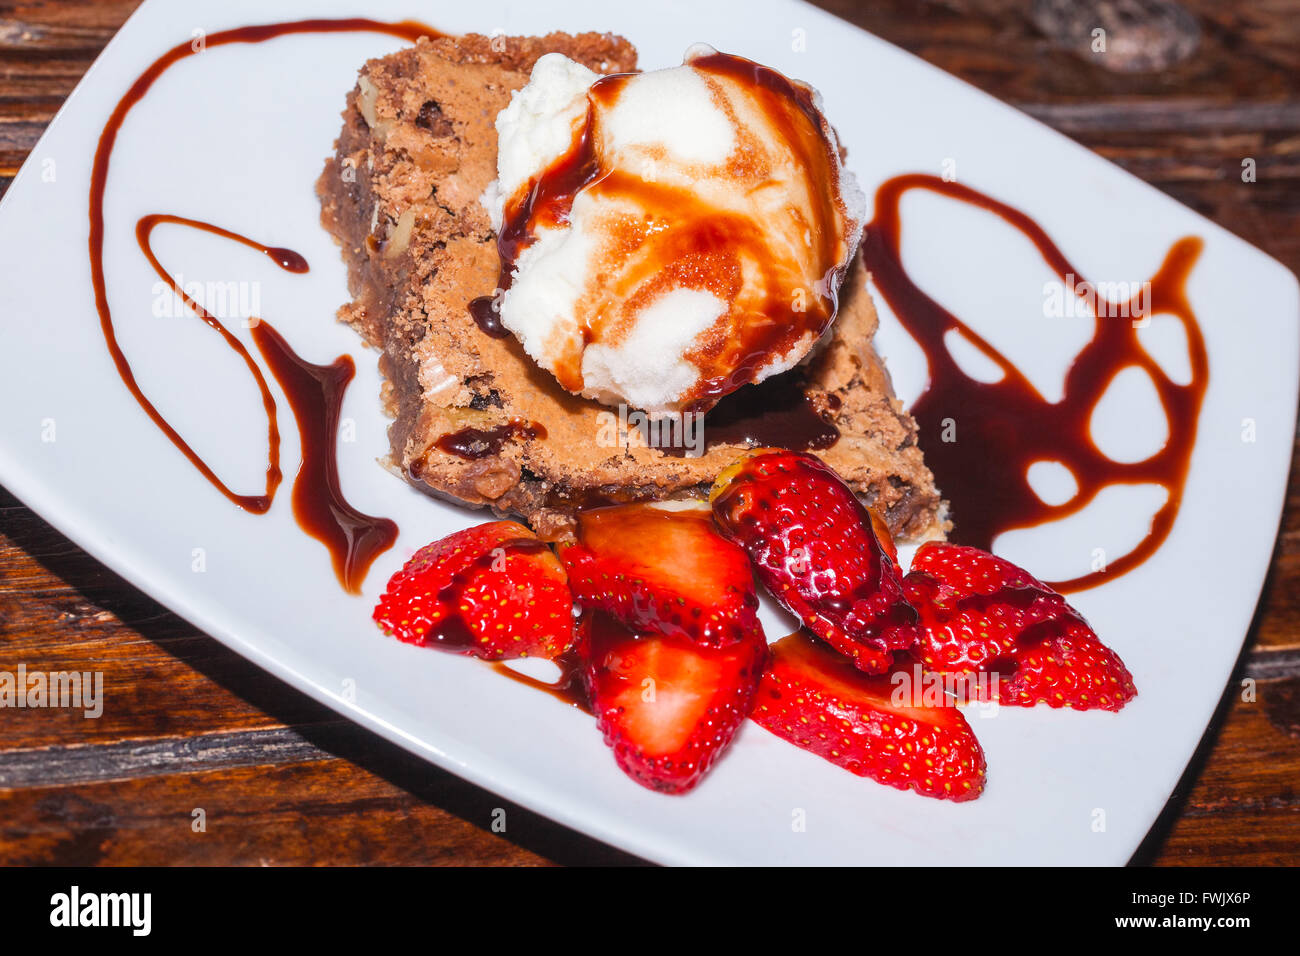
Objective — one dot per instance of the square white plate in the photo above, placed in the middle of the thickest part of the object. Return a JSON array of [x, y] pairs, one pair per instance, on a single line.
[[237, 135]]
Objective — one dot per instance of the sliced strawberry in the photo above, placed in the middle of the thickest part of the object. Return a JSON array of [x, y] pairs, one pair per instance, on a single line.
[[494, 591], [974, 606], [668, 706], [815, 549], [1070, 669], [663, 570], [979, 612], [814, 698]]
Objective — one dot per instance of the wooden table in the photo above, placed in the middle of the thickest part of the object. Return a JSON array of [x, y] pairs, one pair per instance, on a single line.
[[282, 780]]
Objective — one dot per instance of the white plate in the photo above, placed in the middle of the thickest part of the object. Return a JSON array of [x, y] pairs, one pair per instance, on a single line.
[[237, 135]]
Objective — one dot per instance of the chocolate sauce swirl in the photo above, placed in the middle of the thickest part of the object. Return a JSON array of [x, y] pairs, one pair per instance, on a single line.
[[1003, 427]]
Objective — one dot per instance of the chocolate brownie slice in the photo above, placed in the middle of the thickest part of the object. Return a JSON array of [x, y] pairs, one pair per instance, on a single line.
[[474, 418]]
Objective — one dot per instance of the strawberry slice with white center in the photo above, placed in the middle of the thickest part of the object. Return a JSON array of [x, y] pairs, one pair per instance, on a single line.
[[664, 569], [667, 705]]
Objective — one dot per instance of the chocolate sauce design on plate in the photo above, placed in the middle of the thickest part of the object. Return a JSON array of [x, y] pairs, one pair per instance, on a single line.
[[1004, 427], [315, 392], [568, 688], [257, 504], [354, 539]]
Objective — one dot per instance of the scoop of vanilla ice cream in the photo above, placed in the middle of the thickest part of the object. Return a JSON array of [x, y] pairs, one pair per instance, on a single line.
[[670, 235], [538, 126]]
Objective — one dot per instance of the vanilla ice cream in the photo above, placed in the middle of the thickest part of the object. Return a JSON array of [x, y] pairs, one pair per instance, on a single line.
[[669, 236]]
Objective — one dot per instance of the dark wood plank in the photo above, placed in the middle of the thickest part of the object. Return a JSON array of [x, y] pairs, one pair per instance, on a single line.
[[1242, 808], [1248, 52], [45, 48], [328, 811]]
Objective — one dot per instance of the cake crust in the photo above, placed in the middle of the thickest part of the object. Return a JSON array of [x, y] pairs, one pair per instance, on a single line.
[[401, 196]]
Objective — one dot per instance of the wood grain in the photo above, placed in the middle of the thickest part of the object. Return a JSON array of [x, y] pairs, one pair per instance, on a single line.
[[282, 780]]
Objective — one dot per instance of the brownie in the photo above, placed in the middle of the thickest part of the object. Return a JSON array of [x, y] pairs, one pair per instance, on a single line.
[[474, 419]]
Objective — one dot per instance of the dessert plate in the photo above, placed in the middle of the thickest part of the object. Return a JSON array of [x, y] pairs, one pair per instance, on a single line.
[[237, 134]]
